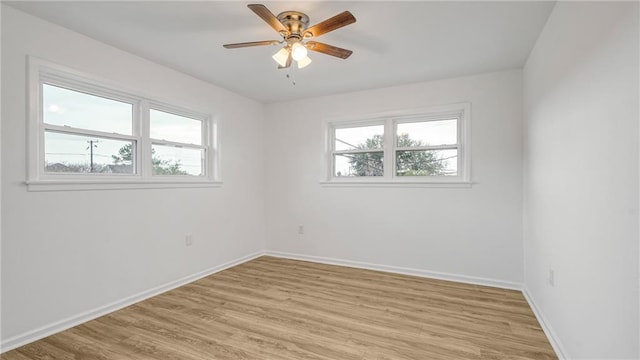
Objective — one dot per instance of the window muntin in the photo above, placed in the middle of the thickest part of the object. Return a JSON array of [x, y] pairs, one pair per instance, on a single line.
[[426, 148]]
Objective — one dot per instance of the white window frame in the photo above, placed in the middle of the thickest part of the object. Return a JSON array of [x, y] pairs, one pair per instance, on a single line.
[[44, 72], [204, 125], [354, 124], [390, 120]]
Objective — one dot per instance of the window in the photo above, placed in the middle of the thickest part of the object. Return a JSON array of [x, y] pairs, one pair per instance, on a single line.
[[176, 144], [359, 151], [428, 147], [88, 135], [83, 132]]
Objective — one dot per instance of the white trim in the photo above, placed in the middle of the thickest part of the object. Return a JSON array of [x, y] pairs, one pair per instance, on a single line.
[[215, 146], [358, 122], [560, 350], [358, 151], [58, 326], [177, 144], [357, 182], [88, 133], [423, 148], [474, 280], [143, 153], [117, 184], [389, 154]]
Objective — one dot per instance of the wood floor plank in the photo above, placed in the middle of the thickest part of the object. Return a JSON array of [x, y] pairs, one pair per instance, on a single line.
[[272, 308]]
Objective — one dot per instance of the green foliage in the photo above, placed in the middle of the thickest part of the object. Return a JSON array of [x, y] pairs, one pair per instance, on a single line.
[[370, 163], [408, 162], [160, 167], [417, 163], [166, 167], [125, 155]]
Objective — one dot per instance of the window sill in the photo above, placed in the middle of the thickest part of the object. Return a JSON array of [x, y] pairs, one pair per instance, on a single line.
[[397, 183], [80, 185]]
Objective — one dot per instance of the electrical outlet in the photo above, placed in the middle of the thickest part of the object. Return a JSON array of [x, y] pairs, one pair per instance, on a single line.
[[552, 278], [188, 240], [301, 229]]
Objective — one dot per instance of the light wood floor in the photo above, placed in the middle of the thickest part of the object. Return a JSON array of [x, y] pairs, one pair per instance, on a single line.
[[272, 308]]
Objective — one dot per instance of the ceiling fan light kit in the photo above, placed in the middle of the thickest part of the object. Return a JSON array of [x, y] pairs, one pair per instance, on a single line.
[[304, 62], [298, 51], [281, 56], [296, 35]]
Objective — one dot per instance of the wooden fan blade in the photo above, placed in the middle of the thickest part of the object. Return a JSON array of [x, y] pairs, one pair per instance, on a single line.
[[251, 43], [268, 17], [328, 49], [288, 64], [336, 22]]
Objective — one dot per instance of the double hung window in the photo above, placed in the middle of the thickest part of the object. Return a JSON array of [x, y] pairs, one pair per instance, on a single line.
[[426, 147], [177, 144], [86, 133]]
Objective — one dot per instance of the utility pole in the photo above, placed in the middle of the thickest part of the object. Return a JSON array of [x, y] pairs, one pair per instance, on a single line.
[[92, 144]]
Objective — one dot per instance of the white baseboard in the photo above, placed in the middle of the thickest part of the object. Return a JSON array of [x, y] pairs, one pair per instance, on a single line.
[[551, 335], [75, 320], [70, 322], [401, 270]]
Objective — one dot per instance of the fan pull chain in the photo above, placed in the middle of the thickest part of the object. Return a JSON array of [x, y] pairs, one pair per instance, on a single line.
[[291, 77]]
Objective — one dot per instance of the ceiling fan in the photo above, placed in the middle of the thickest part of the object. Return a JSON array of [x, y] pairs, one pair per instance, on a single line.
[[292, 26]]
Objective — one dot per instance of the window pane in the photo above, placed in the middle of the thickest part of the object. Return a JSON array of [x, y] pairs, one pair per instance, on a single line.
[[427, 163], [441, 132], [65, 107], [171, 160], [66, 153], [171, 127], [359, 138], [361, 164]]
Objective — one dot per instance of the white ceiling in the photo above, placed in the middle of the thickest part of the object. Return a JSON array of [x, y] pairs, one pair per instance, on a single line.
[[393, 42]]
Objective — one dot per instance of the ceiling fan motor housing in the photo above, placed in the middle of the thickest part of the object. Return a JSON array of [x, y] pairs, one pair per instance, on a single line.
[[295, 22]]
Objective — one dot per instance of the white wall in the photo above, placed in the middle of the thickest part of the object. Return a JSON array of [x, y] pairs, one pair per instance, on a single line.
[[581, 177], [64, 253], [474, 232]]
